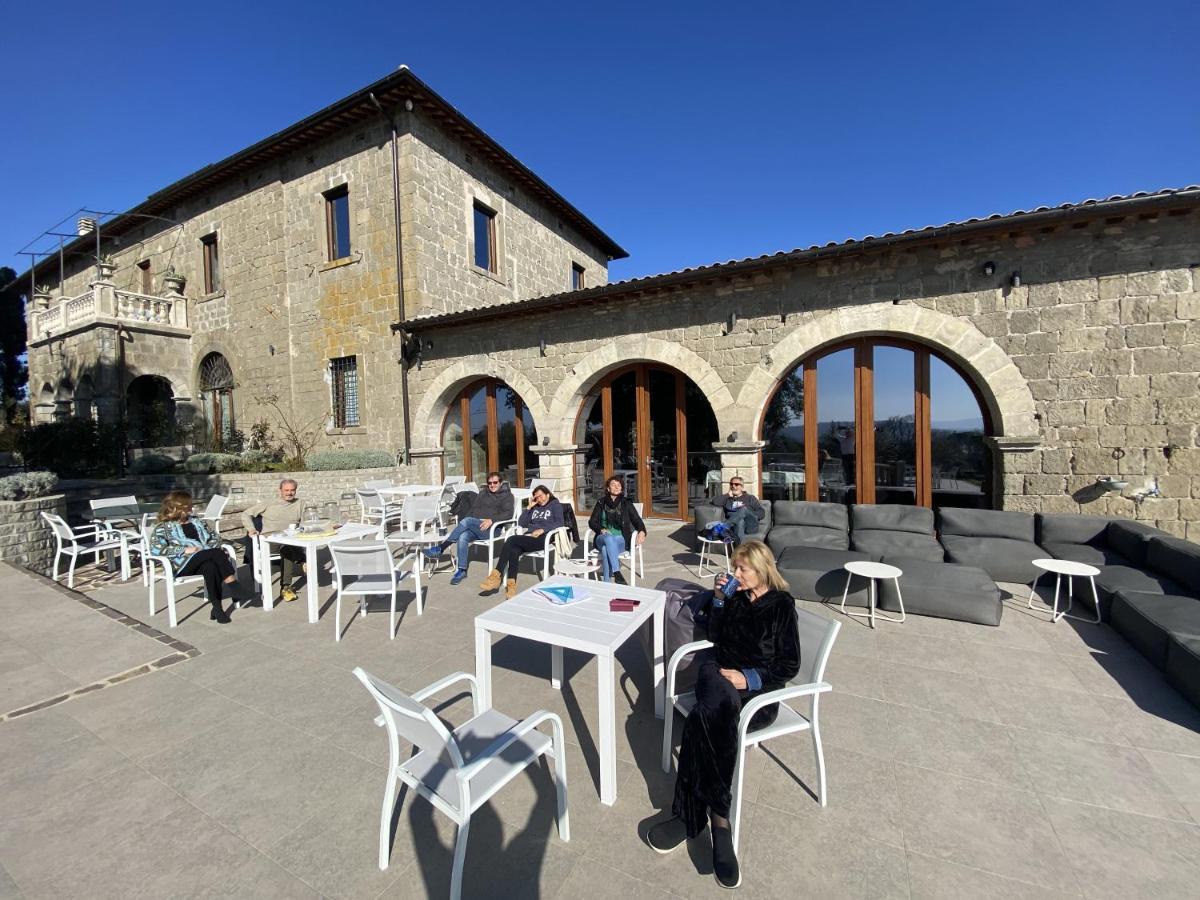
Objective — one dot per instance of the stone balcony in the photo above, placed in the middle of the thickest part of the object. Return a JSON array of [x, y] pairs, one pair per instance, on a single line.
[[104, 304]]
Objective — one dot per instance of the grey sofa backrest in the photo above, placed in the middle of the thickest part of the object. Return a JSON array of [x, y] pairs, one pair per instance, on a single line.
[[888, 517], [808, 524], [1130, 539], [1071, 528], [1176, 558], [997, 523]]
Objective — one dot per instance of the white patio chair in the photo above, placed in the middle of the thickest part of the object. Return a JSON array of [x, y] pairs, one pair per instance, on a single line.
[[77, 542], [173, 582], [500, 530], [212, 512], [817, 635], [376, 510], [634, 556], [365, 569], [127, 525], [548, 555], [458, 771], [705, 566], [547, 483], [376, 483], [259, 548]]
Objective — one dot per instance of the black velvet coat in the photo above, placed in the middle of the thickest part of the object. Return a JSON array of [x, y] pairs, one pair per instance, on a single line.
[[760, 635]]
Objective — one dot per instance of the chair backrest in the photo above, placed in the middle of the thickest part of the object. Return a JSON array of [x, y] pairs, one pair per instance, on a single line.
[[369, 500], [216, 506], [420, 508], [465, 487], [377, 483], [360, 558], [59, 528], [817, 635], [547, 483], [413, 721], [639, 507], [113, 501], [453, 479]]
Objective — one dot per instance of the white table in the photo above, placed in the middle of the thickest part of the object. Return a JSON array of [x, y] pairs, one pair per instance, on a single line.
[[1061, 567], [408, 490], [792, 481], [588, 626], [348, 532], [872, 571]]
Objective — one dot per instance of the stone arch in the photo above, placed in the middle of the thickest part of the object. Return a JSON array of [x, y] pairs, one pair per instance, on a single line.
[[582, 377], [427, 420], [1001, 386], [150, 411]]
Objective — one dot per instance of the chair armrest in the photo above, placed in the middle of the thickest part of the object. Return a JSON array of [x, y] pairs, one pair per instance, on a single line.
[[677, 658], [443, 683], [501, 523], [514, 734], [791, 692], [89, 530]]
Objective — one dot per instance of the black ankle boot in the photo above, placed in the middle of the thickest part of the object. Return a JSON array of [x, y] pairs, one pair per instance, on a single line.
[[219, 615], [725, 864]]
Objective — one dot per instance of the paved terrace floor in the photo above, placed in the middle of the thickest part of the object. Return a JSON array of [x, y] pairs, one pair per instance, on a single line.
[[1030, 760]]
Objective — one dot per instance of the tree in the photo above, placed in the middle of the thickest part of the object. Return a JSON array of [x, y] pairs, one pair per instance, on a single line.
[[14, 373]]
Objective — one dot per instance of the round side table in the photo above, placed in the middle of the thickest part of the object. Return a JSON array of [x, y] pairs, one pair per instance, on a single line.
[[872, 571], [1065, 567]]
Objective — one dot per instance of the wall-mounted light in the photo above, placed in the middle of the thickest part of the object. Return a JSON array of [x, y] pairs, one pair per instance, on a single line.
[[989, 268], [546, 441], [1168, 450], [271, 349], [1015, 280], [733, 436]]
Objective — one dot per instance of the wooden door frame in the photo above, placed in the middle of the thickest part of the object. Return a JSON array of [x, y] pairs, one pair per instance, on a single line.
[[492, 450]]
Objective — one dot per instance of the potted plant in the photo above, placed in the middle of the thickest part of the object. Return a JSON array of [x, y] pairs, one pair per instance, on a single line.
[[173, 281], [105, 268]]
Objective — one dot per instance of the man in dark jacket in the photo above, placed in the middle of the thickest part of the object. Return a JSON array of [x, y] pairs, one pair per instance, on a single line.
[[743, 512], [494, 504]]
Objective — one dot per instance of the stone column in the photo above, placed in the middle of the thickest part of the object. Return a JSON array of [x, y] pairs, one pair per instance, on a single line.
[[1013, 457], [103, 288], [426, 465], [561, 464], [740, 458]]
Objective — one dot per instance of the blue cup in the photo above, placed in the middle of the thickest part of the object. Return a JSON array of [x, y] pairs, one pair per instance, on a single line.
[[730, 587]]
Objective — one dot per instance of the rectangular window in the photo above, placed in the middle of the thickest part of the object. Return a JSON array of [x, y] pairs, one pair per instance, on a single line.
[[576, 277], [212, 264], [485, 238], [345, 391], [147, 276], [337, 222]]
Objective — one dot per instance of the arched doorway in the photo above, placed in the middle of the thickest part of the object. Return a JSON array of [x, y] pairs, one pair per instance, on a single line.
[[489, 428], [150, 409], [652, 426], [877, 420], [216, 392]]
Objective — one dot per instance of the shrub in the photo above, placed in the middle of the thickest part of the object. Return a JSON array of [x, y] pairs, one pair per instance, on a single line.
[[204, 463], [27, 484], [255, 460], [70, 448], [151, 464], [324, 460]]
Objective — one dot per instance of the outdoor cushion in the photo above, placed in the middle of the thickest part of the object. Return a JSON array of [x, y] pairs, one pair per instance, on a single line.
[[1114, 579], [1146, 621], [1070, 528], [996, 523], [1183, 665], [963, 593], [816, 573], [1004, 559], [1130, 539], [1091, 554], [801, 523], [1176, 558], [914, 519], [897, 543]]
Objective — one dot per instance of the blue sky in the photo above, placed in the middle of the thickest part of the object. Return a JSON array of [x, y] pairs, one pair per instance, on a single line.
[[691, 132]]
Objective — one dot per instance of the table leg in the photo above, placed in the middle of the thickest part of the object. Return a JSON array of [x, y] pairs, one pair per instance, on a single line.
[[871, 599], [1057, 584], [657, 651], [483, 667], [262, 559], [608, 731], [556, 667], [310, 581], [1033, 589]]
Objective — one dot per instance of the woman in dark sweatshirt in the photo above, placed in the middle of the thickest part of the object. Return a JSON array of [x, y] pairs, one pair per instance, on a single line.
[[543, 516], [757, 649]]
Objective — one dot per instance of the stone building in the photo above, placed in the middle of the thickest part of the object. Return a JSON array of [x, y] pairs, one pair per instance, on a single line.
[[1041, 360]]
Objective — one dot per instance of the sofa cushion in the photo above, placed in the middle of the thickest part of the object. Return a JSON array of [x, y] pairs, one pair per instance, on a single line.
[[997, 523], [1183, 665], [1146, 621], [1004, 559], [1085, 553], [1071, 528], [800, 523], [914, 519], [1177, 559], [816, 573], [1130, 539], [897, 543], [1114, 579], [963, 593]]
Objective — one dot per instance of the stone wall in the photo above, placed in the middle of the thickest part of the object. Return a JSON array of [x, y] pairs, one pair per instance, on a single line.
[[1097, 350], [25, 539]]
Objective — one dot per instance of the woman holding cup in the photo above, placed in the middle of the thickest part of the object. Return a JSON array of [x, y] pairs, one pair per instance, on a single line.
[[752, 623]]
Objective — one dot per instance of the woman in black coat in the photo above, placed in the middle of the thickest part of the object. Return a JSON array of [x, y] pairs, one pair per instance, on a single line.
[[614, 521], [757, 649]]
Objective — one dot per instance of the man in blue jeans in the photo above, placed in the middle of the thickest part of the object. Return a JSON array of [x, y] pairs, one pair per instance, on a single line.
[[743, 512], [481, 510]]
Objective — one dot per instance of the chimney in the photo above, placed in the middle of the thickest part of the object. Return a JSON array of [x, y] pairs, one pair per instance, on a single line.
[[85, 225]]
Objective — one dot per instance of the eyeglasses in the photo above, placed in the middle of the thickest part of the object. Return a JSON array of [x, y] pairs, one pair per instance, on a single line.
[[493, 483], [736, 484]]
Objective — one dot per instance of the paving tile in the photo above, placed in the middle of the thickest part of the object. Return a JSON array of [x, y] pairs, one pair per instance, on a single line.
[[1058, 712], [119, 702], [26, 686], [929, 689], [1119, 677], [14, 656], [856, 723], [29, 735], [1031, 668], [1163, 721], [597, 881], [28, 782], [980, 825], [1100, 774], [943, 654], [238, 659], [1118, 854], [956, 744], [8, 887], [936, 879], [1181, 776], [159, 727], [858, 675], [260, 878], [782, 852]]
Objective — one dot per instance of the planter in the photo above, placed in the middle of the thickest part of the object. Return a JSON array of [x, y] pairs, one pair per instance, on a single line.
[[174, 283]]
